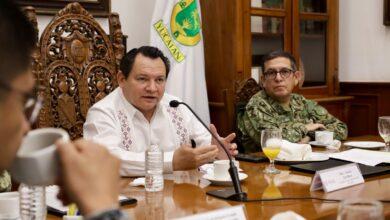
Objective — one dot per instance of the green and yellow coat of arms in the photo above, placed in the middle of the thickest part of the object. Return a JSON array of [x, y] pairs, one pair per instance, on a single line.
[[185, 28], [185, 22]]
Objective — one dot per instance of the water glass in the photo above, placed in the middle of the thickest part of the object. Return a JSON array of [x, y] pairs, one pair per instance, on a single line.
[[271, 142], [384, 130]]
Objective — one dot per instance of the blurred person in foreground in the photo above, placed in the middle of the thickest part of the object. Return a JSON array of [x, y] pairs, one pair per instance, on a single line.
[[85, 180]]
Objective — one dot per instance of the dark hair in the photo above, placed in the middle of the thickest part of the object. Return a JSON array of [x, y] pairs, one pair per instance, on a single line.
[[17, 41], [279, 53], [127, 61]]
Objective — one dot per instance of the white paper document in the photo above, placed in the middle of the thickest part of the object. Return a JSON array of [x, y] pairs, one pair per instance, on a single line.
[[231, 213], [366, 157]]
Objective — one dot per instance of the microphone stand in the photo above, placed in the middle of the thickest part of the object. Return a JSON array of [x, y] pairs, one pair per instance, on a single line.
[[236, 193]]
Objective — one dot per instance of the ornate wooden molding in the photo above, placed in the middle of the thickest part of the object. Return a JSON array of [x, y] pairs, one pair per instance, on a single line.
[[116, 37], [73, 9], [98, 8]]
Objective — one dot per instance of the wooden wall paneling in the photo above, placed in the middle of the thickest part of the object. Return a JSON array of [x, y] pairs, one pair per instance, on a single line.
[[295, 34], [330, 48], [338, 108], [371, 101], [308, 91], [224, 113], [239, 39], [247, 39], [288, 32], [331, 87], [384, 101], [386, 12], [222, 41], [364, 115], [336, 50]]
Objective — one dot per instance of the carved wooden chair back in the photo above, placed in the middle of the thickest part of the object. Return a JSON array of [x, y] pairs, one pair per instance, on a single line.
[[245, 90], [76, 64]]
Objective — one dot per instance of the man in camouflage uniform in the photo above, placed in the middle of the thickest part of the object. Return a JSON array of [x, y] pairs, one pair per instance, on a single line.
[[277, 107]]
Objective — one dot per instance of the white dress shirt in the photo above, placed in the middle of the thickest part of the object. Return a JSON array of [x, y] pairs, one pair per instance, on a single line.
[[118, 125]]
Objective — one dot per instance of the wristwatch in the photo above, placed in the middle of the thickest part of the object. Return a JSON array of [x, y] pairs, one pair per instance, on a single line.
[[312, 135]]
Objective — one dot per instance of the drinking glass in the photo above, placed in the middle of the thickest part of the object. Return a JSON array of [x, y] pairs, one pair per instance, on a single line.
[[271, 142], [384, 130], [363, 209]]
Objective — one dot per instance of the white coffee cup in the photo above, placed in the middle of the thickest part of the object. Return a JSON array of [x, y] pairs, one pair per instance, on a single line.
[[324, 137], [9, 205], [36, 161], [221, 169]]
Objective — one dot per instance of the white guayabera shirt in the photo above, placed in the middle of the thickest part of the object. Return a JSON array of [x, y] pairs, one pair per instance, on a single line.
[[118, 125]]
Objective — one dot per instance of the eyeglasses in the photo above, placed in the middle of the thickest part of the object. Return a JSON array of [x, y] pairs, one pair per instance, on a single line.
[[32, 104], [272, 73]]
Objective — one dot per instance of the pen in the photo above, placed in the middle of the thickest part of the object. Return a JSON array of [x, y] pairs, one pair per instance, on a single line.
[[193, 143]]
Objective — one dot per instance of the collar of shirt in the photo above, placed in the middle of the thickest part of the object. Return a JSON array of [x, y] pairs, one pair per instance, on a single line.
[[295, 104], [133, 111]]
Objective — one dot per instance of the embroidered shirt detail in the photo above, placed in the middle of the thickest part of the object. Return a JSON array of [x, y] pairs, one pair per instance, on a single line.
[[125, 128], [177, 120]]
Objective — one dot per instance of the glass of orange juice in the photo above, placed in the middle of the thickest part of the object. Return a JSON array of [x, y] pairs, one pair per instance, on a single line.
[[271, 141]]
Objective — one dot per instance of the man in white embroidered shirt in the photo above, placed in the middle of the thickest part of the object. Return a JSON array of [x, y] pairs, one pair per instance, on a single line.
[[137, 114]]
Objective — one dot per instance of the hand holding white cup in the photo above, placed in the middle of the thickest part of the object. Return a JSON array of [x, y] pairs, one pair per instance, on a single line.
[[36, 161]]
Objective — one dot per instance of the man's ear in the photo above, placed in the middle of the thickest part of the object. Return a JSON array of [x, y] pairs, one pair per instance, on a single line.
[[262, 81], [297, 77], [120, 78]]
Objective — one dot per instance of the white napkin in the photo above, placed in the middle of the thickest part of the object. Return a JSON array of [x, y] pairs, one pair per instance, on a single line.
[[138, 182], [293, 151], [335, 145], [289, 215]]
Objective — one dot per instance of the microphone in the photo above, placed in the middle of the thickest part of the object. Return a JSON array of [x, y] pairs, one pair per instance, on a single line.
[[236, 193]]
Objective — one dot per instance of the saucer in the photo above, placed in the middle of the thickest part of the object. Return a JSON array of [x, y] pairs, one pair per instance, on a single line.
[[223, 182], [209, 168], [318, 144], [365, 144], [314, 157]]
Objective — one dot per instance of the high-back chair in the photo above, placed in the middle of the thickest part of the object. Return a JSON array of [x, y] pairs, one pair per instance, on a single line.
[[245, 90], [76, 64]]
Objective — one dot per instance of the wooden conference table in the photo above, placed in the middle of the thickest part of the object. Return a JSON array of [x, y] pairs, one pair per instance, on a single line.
[[185, 194]]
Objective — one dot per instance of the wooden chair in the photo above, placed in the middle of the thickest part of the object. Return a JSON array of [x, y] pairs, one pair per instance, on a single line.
[[244, 92], [76, 64]]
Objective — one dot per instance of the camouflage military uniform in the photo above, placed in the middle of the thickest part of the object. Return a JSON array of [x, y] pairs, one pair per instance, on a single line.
[[263, 112], [5, 181]]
